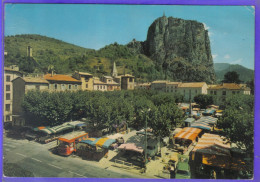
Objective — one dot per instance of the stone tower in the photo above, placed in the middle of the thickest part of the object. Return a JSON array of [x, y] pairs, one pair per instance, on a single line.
[[29, 51], [114, 71]]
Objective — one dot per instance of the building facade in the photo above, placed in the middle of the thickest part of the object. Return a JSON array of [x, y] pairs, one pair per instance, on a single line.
[[228, 89], [127, 82], [99, 85], [21, 85], [111, 84], [10, 73], [159, 85], [62, 83], [191, 89], [172, 86], [86, 80]]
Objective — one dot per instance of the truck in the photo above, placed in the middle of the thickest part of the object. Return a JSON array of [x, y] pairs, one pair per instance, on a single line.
[[67, 143]]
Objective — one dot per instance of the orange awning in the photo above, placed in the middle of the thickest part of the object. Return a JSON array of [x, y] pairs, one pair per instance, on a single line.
[[186, 136]]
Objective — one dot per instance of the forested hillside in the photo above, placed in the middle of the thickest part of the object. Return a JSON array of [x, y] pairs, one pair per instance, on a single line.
[[221, 69], [66, 58]]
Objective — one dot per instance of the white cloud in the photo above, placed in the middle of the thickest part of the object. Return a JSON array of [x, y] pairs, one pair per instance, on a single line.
[[210, 33], [205, 26], [214, 56], [227, 56], [237, 61]]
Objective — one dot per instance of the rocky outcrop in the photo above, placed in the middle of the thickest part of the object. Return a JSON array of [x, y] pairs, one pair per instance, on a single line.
[[180, 47]]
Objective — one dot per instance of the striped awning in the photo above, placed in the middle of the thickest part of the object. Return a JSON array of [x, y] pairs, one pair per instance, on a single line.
[[186, 136], [191, 130], [57, 129], [201, 126], [100, 142], [208, 119]]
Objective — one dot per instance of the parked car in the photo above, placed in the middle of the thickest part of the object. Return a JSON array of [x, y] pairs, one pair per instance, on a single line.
[[183, 168]]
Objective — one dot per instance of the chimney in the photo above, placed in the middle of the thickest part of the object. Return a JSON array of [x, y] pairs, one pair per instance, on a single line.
[[51, 73]]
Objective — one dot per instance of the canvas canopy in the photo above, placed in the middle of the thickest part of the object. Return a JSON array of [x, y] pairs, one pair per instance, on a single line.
[[189, 120], [100, 142], [131, 147], [212, 144], [72, 136], [186, 136], [191, 130], [201, 125], [188, 133], [208, 119]]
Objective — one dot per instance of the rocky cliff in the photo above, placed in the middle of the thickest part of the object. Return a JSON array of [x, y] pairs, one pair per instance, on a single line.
[[181, 48]]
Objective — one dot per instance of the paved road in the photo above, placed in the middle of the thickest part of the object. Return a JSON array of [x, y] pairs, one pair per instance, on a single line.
[[38, 159]]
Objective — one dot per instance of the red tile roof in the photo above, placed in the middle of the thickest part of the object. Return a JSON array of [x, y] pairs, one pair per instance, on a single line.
[[65, 78]]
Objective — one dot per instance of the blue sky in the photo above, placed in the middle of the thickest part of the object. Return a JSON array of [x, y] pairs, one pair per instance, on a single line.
[[231, 28]]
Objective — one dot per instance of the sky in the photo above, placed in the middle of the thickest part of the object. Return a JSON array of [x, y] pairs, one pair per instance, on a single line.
[[231, 28]]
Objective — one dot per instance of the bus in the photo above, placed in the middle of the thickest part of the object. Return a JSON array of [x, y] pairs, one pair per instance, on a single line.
[[67, 143]]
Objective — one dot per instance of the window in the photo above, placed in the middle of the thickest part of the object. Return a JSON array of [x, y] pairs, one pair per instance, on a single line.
[[86, 85], [211, 92], [224, 93], [7, 118], [69, 87], [8, 88], [196, 91], [7, 107], [55, 86], [76, 86], [238, 92], [8, 78], [215, 92], [62, 87], [233, 92], [37, 87], [131, 80], [7, 96], [97, 87]]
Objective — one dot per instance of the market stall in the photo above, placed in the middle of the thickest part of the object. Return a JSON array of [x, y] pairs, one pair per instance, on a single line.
[[94, 148]]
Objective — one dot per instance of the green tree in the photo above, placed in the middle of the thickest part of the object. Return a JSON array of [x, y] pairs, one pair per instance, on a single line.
[[251, 85], [203, 100], [231, 77], [238, 121]]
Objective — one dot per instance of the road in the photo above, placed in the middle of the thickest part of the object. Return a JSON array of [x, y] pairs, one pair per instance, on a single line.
[[38, 159]]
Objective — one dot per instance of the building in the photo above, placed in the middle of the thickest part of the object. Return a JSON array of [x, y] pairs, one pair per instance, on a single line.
[[111, 84], [114, 71], [86, 79], [62, 82], [191, 89], [21, 85], [143, 86], [227, 89], [10, 73], [127, 82], [159, 85], [99, 85], [172, 86], [29, 51]]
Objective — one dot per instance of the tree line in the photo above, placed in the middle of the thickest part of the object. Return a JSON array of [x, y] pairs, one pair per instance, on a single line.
[[105, 109]]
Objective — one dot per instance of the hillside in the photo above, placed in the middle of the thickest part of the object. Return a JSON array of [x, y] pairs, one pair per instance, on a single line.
[[175, 49], [221, 69], [45, 51], [67, 58]]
